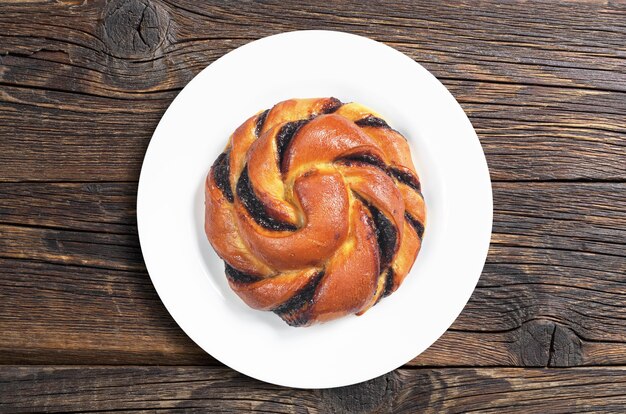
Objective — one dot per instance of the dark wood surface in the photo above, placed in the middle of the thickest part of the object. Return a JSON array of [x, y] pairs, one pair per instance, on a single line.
[[82, 87], [432, 390]]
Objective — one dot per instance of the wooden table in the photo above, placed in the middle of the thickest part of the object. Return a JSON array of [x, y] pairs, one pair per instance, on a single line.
[[82, 87]]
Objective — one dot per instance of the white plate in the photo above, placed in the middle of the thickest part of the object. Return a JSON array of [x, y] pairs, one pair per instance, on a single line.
[[188, 275]]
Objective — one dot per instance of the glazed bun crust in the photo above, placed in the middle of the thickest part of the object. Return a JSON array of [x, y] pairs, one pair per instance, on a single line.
[[316, 209]]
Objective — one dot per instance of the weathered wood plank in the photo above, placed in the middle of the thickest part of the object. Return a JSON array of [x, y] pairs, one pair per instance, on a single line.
[[578, 217], [528, 132], [111, 251], [545, 91], [550, 44], [488, 390], [66, 315], [93, 207], [551, 293]]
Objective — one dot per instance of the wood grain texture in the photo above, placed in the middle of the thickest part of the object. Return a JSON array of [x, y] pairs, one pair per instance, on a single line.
[[84, 84], [74, 289], [201, 389], [83, 90]]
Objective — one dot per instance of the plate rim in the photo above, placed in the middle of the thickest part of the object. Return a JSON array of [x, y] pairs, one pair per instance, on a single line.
[[142, 179]]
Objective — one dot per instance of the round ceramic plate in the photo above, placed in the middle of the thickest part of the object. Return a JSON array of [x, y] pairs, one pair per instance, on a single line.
[[189, 276]]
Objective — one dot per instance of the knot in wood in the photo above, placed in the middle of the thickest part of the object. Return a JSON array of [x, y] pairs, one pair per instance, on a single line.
[[135, 28], [543, 343]]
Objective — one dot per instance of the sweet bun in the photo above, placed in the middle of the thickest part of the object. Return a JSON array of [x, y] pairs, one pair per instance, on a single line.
[[316, 209]]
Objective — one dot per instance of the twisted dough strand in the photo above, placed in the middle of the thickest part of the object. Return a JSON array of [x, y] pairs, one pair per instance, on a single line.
[[316, 209]]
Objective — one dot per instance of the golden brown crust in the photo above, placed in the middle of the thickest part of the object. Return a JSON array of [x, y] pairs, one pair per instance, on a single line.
[[316, 209], [323, 199], [351, 274], [266, 177], [266, 293], [221, 228]]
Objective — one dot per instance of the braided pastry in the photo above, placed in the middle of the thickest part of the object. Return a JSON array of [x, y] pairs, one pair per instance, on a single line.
[[315, 208]]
